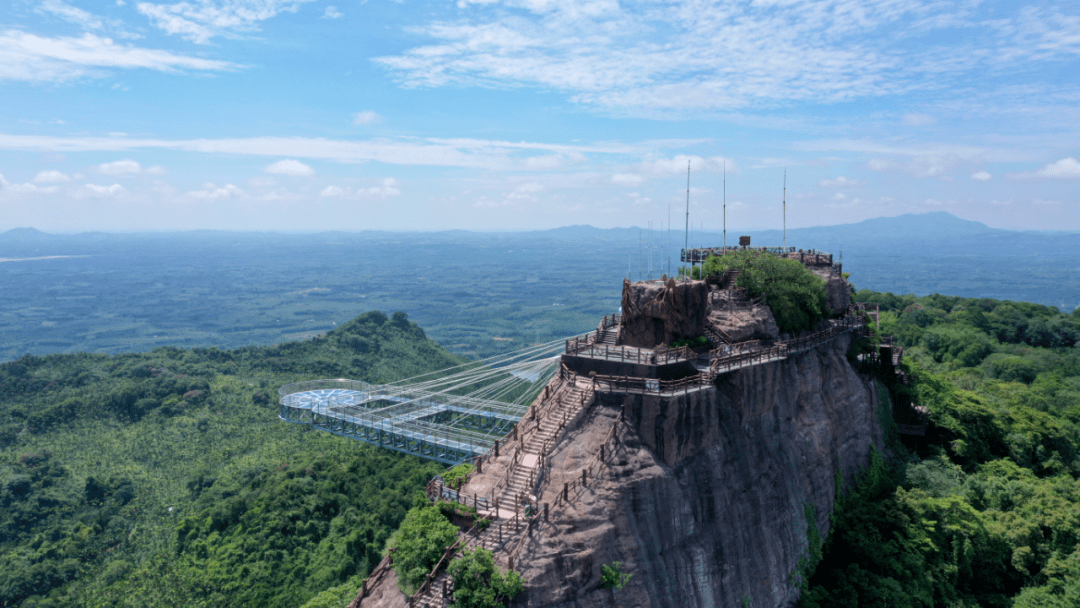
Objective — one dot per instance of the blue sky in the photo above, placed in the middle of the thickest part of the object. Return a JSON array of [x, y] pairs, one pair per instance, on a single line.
[[530, 114]]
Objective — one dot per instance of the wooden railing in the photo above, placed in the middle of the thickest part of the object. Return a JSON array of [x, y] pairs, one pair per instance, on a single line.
[[629, 354], [373, 578]]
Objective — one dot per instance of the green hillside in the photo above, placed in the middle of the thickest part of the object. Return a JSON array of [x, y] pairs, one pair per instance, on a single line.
[[166, 479], [986, 510]]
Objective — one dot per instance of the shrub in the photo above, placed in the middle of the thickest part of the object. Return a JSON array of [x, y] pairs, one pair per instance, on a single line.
[[421, 540], [796, 296], [479, 584], [612, 576]]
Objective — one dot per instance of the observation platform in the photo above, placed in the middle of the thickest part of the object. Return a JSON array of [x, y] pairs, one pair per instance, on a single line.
[[439, 426]]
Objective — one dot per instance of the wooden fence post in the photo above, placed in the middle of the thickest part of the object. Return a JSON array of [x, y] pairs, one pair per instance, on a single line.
[[565, 491], [545, 511]]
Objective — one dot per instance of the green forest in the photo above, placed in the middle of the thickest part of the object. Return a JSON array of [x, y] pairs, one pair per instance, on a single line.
[[985, 510], [166, 479]]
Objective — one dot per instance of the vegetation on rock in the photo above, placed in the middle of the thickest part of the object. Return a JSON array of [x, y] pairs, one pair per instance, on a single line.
[[478, 583], [423, 537], [613, 577], [796, 296], [985, 511]]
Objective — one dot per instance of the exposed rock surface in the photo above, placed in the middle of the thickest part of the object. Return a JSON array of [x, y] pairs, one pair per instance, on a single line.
[[837, 288], [703, 499], [656, 313], [740, 322]]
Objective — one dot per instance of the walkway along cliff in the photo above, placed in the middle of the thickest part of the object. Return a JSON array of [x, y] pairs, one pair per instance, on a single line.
[[702, 470]]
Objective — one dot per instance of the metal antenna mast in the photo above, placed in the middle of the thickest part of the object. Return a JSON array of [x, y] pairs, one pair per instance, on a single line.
[[686, 245], [725, 207], [785, 206]]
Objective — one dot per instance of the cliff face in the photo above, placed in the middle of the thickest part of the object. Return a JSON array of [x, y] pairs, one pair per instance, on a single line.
[[702, 496]]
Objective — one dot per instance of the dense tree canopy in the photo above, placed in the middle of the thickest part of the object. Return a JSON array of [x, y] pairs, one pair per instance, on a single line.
[[166, 479], [987, 511]]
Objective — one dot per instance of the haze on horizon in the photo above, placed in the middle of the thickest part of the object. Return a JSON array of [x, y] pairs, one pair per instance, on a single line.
[[533, 114]]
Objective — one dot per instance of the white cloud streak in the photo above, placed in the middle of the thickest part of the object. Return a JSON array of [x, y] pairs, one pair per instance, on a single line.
[[51, 176], [290, 167], [367, 117], [468, 153], [33, 58], [1066, 168], [120, 167], [212, 192], [693, 55], [201, 20]]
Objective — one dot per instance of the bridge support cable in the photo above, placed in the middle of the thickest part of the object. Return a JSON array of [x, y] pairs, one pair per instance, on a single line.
[[451, 415]]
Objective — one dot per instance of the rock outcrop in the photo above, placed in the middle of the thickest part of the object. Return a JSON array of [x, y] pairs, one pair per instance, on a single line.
[[837, 289], [741, 321], [655, 313], [704, 498]]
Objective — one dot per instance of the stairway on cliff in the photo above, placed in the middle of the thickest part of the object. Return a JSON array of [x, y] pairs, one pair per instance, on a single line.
[[505, 527], [551, 422], [609, 336]]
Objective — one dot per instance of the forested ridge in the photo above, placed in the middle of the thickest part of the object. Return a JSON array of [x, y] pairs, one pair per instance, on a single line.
[[985, 511], [166, 479]]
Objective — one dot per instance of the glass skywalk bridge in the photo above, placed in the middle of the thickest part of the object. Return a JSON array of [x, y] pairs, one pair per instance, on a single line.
[[451, 419]]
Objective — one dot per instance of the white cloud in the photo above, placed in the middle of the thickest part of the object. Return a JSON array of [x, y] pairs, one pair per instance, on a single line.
[[518, 198], [367, 117], [7, 187], [389, 187], [1062, 169], [468, 153], [51, 176], [71, 13], [1066, 168], [332, 12], [918, 120], [981, 176], [290, 167], [120, 167], [333, 191], [212, 192], [545, 162], [103, 191], [626, 179], [839, 182], [156, 170], [879, 164], [679, 163], [204, 19], [34, 58], [695, 55]]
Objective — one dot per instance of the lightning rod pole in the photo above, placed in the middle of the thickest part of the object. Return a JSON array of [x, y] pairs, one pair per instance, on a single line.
[[686, 244], [785, 206]]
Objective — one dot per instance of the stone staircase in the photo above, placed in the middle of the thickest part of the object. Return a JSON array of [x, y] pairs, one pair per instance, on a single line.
[[609, 336], [731, 275], [505, 527], [519, 486]]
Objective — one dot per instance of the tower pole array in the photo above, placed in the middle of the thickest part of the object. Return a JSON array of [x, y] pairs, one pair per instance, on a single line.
[[725, 207], [785, 206]]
